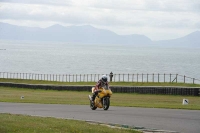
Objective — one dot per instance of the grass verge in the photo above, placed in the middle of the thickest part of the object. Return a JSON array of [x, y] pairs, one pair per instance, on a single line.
[[32, 124], [8, 94], [93, 83]]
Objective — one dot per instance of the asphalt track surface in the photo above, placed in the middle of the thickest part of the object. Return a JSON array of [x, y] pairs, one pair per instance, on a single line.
[[183, 121]]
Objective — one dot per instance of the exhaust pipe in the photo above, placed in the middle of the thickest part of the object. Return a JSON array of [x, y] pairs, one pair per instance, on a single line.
[[90, 98]]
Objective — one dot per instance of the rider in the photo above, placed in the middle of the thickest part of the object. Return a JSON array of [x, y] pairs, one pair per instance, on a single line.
[[103, 81]]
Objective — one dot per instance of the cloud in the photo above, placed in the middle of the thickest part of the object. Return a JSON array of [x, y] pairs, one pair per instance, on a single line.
[[122, 17]]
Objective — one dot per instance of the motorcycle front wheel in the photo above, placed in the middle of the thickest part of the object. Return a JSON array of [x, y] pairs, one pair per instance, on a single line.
[[106, 103], [92, 106]]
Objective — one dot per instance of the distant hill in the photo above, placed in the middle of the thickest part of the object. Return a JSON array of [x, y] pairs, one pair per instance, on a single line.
[[192, 39], [76, 34], [88, 34]]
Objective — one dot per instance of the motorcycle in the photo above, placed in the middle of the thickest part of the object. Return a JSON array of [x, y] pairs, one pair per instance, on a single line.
[[102, 100]]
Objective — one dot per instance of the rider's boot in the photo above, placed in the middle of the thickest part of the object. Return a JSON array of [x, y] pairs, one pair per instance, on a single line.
[[93, 97]]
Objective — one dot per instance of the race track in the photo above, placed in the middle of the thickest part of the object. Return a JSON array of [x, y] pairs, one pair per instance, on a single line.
[[183, 121]]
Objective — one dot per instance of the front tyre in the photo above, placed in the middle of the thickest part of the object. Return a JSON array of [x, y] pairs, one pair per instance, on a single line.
[[106, 103], [92, 106]]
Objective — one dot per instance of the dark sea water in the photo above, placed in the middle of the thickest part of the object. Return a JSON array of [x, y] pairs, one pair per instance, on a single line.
[[68, 58]]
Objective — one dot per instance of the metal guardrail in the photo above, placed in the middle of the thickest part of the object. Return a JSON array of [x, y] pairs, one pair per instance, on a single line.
[[95, 77]]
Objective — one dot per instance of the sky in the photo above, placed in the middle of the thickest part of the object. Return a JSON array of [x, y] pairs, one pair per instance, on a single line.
[[156, 19]]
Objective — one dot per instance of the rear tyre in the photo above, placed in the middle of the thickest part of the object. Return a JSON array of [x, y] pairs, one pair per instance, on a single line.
[[106, 103]]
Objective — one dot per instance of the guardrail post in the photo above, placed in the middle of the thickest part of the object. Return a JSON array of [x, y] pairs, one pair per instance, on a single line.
[[153, 77], [164, 77], [184, 78], [128, 77], [142, 77], [87, 77]]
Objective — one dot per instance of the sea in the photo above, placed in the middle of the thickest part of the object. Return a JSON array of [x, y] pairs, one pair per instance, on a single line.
[[74, 58]]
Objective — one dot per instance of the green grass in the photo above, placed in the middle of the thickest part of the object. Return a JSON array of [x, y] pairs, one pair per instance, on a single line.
[[93, 83], [29, 124], [32, 124], [8, 94]]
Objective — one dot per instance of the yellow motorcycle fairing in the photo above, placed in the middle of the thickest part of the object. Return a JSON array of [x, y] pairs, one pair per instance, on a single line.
[[103, 93]]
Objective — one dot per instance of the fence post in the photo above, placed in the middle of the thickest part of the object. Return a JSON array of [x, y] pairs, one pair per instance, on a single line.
[[142, 77], [170, 77], [62, 77], [158, 78], [153, 77], [87, 77], [119, 77], [128, 77], [147, 78], [83, 78], [132, 77], [164, 77], [184, 78], [123, 77], [137, 77], [94, 77]]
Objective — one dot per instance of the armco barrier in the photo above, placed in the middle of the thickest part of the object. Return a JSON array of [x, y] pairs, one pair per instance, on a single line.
[[191, 91]]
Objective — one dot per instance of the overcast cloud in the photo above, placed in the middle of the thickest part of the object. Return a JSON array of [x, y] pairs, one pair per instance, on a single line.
[[157, 19]]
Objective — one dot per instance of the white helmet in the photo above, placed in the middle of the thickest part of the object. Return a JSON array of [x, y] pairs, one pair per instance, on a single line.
[[104, 78]]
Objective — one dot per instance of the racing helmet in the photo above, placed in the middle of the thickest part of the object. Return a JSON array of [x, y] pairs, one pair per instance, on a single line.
[[104, 78]]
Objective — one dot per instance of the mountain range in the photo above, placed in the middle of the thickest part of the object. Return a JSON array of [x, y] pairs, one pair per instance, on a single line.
[[88, 34]]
